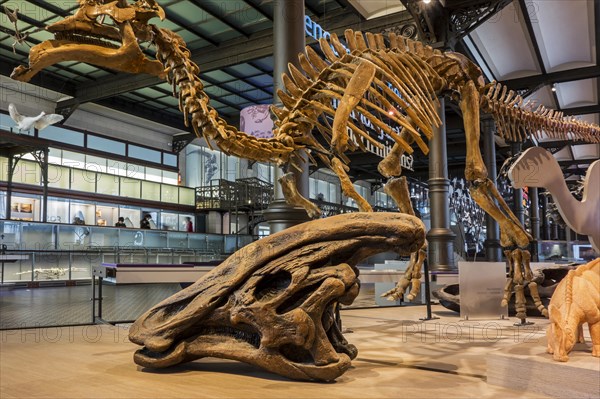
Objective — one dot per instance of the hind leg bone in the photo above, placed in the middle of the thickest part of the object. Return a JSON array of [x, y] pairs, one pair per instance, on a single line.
[[397, 188], [485, 193]]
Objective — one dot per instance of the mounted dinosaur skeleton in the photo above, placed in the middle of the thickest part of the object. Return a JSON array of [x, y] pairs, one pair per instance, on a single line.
[[382, 78]]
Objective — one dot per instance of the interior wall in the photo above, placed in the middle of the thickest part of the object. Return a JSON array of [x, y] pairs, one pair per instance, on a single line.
[[31, 100]]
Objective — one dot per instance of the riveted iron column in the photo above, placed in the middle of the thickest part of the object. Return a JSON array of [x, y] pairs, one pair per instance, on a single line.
[[9, 185], [493, 251], [546, 235], [44, 167], [440, 237], [289, 41], [518, 209], [534, 219]]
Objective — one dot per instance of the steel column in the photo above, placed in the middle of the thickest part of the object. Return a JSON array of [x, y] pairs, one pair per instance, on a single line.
[[493, 251], [518, 209], [534, 219], [9, 185], [44, 167], [440, 237], [289, 41], [546, 231]]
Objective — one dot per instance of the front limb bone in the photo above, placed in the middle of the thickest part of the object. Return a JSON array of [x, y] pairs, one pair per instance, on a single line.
[[293, 197], [355, 90], [347, 187]]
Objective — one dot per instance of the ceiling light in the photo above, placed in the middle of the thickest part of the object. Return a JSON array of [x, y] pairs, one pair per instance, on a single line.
[[390, 112], [426, 1]]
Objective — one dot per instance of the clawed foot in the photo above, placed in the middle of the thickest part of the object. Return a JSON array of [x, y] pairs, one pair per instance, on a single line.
[[519, 277], [396, 293]]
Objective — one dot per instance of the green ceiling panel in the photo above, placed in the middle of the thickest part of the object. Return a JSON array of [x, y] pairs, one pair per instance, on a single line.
[[188, 36], [219, 76], [149, 92], [189, 13], [244, 70]]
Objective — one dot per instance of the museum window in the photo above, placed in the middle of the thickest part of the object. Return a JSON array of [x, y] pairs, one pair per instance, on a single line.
[[146, 154], [101, 144], [62, 135]]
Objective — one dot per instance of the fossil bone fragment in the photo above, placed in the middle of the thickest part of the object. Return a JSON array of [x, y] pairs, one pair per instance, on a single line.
[[272, 303]]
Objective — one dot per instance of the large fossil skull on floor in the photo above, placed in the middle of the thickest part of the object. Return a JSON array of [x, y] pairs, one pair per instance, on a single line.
[[272, 304]]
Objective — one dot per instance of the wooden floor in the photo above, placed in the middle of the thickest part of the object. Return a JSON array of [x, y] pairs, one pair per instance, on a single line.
[[399, 357]]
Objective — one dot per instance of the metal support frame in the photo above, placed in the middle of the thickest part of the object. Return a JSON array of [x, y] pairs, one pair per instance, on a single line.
[[41, 157], [442, 25]]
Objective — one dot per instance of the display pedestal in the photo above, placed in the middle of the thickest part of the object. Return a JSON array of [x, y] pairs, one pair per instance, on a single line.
[[527, 367]]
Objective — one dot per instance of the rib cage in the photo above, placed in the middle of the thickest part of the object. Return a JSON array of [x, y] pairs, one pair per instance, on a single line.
[[408, 79]]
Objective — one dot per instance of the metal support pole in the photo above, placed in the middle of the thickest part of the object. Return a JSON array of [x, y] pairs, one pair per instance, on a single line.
[[493, 251], [518, 209], [546, 234], [44, 166], [440, 237], [427, 295], [289, 41], [534, 215], [11, 167]]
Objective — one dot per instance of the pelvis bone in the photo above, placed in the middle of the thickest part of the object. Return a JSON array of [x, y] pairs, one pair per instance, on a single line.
[[272, 304]]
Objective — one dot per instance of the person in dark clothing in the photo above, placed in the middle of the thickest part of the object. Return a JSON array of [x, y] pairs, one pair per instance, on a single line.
[[145, 222], [121, 222]]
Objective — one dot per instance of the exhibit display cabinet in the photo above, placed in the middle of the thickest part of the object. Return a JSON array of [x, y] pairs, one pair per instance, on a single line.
[[47, 251]]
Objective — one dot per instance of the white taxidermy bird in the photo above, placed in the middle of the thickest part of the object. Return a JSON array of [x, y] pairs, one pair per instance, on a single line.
[[40, 122]]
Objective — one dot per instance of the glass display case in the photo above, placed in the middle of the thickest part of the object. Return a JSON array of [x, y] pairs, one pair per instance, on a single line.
[[25, 208], [566, 251], [68, 252]]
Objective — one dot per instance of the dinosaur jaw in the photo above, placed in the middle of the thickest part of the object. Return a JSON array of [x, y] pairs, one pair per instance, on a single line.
[[96, 49], [85, 37], [244, 343]]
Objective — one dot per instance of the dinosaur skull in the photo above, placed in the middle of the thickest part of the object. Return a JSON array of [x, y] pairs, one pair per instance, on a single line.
[[99, 33], [272, 304]]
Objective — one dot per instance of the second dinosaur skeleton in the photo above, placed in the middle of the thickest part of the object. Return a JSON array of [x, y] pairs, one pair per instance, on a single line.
[[382, 78]]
